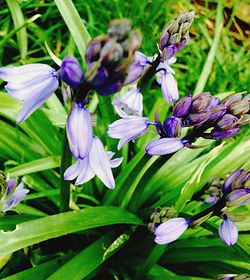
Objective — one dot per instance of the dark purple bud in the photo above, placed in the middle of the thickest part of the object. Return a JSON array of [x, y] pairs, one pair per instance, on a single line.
[[11, 184], [109, 88], [229, 180], [172, 127], [231, 99], [217, 112], [100, 77], [183, 42], [71, 72], [239, 108], [201, 102], [93, 50], [169, 51], [199, 118], [220, 135], [215, 101], [226, 122], [164, 39], [239, 182], [182, 107], [236, 194]]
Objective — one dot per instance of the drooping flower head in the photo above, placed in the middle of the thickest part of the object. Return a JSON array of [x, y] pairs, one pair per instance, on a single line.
[[228, 232], [31, 83], [109, 56]]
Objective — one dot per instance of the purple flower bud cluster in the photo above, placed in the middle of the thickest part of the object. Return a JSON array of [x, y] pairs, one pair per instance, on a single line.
[[11, 193], [233, 191], [176, 34], [109, 57]]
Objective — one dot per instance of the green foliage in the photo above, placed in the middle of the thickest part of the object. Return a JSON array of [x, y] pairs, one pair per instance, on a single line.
[[104, 237]]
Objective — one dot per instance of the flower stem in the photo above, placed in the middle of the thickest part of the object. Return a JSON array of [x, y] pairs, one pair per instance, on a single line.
[[65, 185]]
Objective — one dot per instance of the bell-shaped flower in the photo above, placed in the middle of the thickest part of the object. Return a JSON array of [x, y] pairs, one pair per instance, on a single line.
[[228, 232], [129, 104], [128, 129], [136, 68], [166, 79], [71, 72], [31, 83], [98, 163], [164, 146], [13, 196], [170, 230], [79, 130]]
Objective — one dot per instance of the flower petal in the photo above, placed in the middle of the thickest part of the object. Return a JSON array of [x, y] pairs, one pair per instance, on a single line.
[[85, 171], [164, 146], [72, 172], [169, 87], [115, 162], [99, 163]]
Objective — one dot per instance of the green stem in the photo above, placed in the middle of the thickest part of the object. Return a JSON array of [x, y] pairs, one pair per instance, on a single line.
[[65, 185]]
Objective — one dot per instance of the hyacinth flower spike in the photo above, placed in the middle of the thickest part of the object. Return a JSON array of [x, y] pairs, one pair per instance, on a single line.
[[166, 79], [228, 232], [98, 163], [13, 195], [128, 129], [31, 83], [129, 104], [170, 230], [79, 130]]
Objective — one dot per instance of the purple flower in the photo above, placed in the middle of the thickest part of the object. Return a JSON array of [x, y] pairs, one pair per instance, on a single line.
[[164, 146], [98, 162], [239, 193], [228, 232], [136, 68], [71, 72], [13, 196], [172, 127], [170, 230], [31, 83], [211, 200], [128, 129], [220, 135], [182, 107], [129, 104], [166, 79], [226, 122], [228, 182], [79, 131]]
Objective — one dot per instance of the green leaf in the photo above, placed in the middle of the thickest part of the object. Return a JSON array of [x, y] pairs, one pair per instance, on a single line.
[[19, 21], [34, 166], [33, 232], [75, 25]]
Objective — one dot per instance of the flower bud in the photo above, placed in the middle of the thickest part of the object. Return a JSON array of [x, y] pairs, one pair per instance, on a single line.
[[217, 112], [227, 186], [239, 182], [172, 127], [119, 29], [245, 119], [199, 118], [231, 99], [220, 135], [71, 72], [182, 107], [239, 196], [201, 102], [170, 230], [226, 122], [228, 232], [239, 108]]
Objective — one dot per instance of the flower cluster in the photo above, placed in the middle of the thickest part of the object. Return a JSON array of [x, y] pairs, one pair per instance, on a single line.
[[11, 193], [233, 191]]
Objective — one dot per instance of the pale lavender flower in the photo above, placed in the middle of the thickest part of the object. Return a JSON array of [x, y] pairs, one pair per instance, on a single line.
[[79, 130], [136, 68], [129, 104], [31, 83], [128, 129], [12, 198], [170, 230], [98, 163], [166, 79], [228, 232], [164, 146]]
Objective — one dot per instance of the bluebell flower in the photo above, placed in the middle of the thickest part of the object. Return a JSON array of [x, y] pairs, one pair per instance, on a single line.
[[98, 162], [166, 79], [164, 146], [228, 232], [129, 104], [137, 67], [79, 130], [172, 126], [244, 194], [128, 129], [71, 72], [13, 195], [170, 230], [31, 83]]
